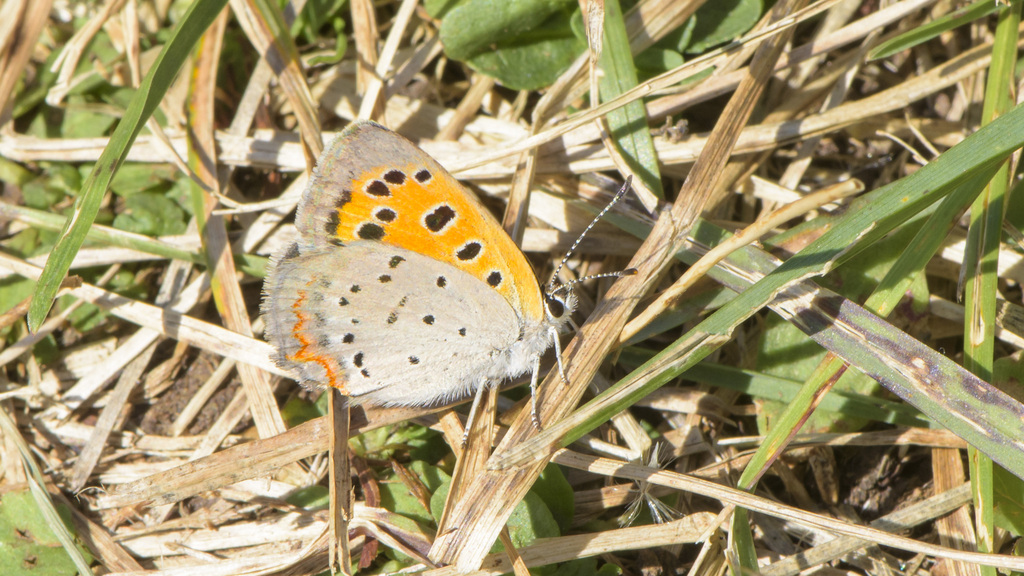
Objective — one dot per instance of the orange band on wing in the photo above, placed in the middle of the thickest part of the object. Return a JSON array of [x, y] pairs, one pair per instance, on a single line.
[[307, 352]]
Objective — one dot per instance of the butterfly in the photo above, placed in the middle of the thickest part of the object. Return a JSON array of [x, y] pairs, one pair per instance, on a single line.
[[403, 290]]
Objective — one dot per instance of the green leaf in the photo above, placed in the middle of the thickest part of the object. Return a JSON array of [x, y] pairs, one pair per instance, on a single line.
[[397, 498], [1009, 501], [552, 487], [157, 81], [27, 545], [153, 214], [80, 121], [722, 21], [431, 476], [439, 8], [586, 567], [654, 61], [296, 411], [13, 173], [314, 497], [523, 44], [133, 178], [531, 520], [394, 496], [475, 26]]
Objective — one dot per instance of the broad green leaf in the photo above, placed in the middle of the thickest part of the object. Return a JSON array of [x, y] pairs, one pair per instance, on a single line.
[[27, 545], [654, 61], [153, 214], [1009, 504], [394, 496], [555, 491], [531, 520], [316, 497], [722, 21], [476, 26], [81, 121], [523, 44]]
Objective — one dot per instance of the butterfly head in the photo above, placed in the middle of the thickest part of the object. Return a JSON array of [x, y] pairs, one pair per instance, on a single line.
[[559, 304]]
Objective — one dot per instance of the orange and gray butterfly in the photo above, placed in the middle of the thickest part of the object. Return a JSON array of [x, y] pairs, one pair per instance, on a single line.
[[403, 290], [386, 324]]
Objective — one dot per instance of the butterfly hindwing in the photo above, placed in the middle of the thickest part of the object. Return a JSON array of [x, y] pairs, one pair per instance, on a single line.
[[385, 324]]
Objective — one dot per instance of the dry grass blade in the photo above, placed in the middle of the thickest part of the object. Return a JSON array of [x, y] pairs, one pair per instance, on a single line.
[[754, 503]]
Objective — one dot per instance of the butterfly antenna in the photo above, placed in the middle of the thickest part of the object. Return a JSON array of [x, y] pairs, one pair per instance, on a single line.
[[619, 274], [554, 277]]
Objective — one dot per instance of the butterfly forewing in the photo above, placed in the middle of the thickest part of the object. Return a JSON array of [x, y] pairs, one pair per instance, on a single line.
[[382, 188]]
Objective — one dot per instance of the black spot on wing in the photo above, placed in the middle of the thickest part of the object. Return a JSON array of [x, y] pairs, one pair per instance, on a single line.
[[370, 231], [291, 252], [358, 360], [469, 251], [348, 338], [428, 319], [414, 360], [422, 176], [442, 281], [441, 217], [395, 177], [384, 278], [494, 279], [378, 188], [395, 261], [385, 215], [331, 226]]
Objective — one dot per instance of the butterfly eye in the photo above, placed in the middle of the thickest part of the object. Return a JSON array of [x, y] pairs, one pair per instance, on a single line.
[[555, 306]]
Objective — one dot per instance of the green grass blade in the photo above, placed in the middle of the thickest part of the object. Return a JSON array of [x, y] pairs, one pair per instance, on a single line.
[[191, 27], [981, 260], [926, 32], [628, 124]]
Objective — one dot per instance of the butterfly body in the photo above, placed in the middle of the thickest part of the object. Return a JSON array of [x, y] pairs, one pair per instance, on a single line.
[[403, 289]]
